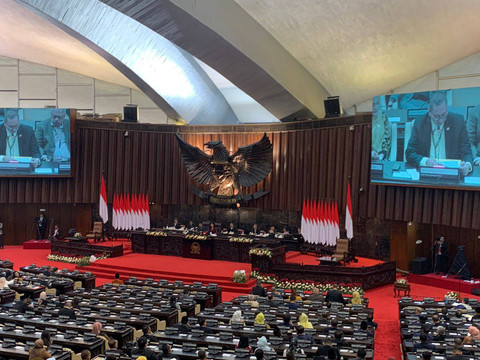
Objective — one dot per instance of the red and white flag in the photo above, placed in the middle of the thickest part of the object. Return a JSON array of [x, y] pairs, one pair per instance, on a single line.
[[103, 208], [349, 214], [147, 213], [303, 224], [115, 212]]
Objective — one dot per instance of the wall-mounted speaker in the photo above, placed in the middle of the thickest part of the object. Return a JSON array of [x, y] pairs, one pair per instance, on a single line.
[[130, 114], [332, 106]]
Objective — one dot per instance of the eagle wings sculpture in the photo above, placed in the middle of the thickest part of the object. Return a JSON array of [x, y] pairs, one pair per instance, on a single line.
[[225, 173]]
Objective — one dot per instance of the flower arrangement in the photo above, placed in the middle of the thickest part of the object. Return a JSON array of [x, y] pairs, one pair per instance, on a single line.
[[401, 282], [261, 252], [78, 235], [78, 260], [453, 295], [196, 237], [156, 233], [239, 277], [304, 285], [241, 240]]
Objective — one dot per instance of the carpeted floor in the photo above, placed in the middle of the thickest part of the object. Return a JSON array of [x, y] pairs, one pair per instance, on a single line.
[[387, 338]]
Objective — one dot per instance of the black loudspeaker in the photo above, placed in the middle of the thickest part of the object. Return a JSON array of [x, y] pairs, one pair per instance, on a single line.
[[332, 106], [420, 265], [130, 114]]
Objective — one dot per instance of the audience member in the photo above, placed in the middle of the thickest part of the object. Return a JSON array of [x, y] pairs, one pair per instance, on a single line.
[[356, 299], [292, 305], [263, 344], [184, 326], [117, 280], [303, 320], [147, 334], [67, 310], [332, 328], [361, 354], [287, 322], [22, 304], [86, 355], [201, 355], [141, 350], [339, 341], [166, 352], [302, 336], [316, 296], [335, 296], [260, 320], [259, 290], [439, 334], [424, 344], [251, 301], [42, 299], [243, 343], [38, 351], [237, 317], [97, 330], [259, 354], [3, 283]]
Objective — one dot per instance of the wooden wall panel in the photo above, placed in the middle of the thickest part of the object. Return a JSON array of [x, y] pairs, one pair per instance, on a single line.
[[308, 163]]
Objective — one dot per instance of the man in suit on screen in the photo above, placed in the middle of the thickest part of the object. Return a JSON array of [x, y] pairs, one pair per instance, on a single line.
[[53, 136], [17, 140], [438, 135]]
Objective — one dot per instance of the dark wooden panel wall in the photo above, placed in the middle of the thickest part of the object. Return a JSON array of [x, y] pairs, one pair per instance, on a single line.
[[308, 163]]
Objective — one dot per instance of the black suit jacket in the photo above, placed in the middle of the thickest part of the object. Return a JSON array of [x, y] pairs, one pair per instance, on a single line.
[[457, 145], [27, 143], [335, 296]]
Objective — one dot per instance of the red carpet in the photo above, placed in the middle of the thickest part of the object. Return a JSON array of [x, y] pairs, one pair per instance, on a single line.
[[450, 283], [309, 259], [36, 244]]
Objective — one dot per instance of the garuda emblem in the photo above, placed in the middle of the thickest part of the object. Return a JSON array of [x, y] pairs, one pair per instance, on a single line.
[[226, 174]]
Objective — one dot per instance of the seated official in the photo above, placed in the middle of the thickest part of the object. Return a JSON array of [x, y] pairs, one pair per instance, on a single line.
[[237, 317], [363, 331], [263, 345], [46, 338], [117, 280], [259, 290], [141, 350], [57, 234], [333, 327], [287, 322], [439, 134], [326, 349], [23, 304], [439, 334], [67, 310], [244, 343], [335, 296], [176, 224], [166, 352], [97, 330], [201, 229], [251, 301], [147, 334], [316, 296], [361, 354], [292, 305], [255, 230], [458, 344], [424, 344], [38, 351], [303, 321], [273, 302], [260, 320], [356, 299], [212, 230], [232, 230], [184, 326], [114, 350], [271, 232], [302, 336], [3, 283], [85, 355], [339, 341], [202, 323], [190, 226]]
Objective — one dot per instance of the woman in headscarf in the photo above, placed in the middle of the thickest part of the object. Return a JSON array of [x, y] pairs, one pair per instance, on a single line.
[[237, 317], [97, 330], [38, 351], [262, 344], [260, 319], [303, 320], [473, 334], [3, 283], [356, 299], [42, 299]]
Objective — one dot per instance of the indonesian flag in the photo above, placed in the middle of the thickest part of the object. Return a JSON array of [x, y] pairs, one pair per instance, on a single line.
[[114, 212], [147, 213], [349, 214], [103, 202], [303, 224], [123, 215], [321, 223], [337, 222]]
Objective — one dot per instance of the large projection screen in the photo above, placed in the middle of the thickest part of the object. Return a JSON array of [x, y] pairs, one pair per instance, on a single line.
[[35, 142], [427, 139]]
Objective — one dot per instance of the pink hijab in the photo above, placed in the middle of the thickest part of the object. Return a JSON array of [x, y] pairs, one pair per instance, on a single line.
[[97, 328], [474, 332]]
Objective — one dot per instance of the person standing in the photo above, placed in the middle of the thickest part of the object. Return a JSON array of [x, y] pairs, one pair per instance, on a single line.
[[41, 226], [440, 255]]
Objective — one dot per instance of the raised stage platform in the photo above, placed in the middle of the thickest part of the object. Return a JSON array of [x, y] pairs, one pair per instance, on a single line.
[[450, 283]]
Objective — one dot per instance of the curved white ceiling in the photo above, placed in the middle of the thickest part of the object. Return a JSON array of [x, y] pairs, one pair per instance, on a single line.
[[361, 48]]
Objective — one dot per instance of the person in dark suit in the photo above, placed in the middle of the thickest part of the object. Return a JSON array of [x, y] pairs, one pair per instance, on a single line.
[[457, 355], [22, 304], [259, 290], [424, 344], [147, 334], [57, 234], [17, 140], [67, 310], [176, 224], [440, 252], [335, 296], [53, 137], [439, 135], [184, 326], [141, 350], [203, 326], [41, 224], [232, 230]]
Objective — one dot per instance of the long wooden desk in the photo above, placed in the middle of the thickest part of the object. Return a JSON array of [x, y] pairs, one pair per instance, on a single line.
[[88, 280]]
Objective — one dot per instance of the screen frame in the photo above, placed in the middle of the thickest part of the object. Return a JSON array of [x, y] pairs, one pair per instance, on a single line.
[[73, 151]]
